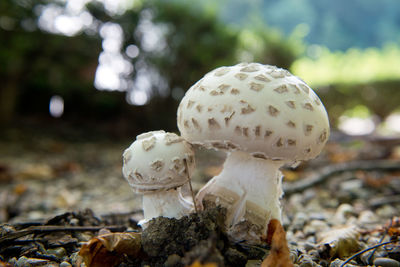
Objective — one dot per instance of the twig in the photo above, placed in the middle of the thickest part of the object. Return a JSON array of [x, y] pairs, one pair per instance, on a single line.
[[365, 250], [326, 172], [52, 228], [380, 241], [190, 187]]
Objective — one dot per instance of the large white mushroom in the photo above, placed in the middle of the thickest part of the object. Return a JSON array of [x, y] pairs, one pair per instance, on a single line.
[[264, 117], [156, 165]]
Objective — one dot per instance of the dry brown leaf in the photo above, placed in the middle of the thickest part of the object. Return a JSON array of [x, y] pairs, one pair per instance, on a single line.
[[108, 249], [340, 242], [198, 264], [290, 176], [38, 171], [279, 255]]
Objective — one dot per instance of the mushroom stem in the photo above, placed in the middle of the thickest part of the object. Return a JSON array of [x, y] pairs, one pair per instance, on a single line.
[[168, 203], [250, 189]]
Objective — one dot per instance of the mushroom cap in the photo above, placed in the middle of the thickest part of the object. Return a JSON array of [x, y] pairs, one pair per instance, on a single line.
[[158, 161], [260, 109]]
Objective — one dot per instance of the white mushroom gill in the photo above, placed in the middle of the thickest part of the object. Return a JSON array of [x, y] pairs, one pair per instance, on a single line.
[[156, 165], [264, 117]]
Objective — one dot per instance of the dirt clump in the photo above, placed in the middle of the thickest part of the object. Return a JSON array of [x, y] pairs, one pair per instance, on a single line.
[[197, 237]]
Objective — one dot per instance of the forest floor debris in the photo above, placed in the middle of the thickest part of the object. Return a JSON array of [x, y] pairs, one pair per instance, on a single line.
[[47, 187]]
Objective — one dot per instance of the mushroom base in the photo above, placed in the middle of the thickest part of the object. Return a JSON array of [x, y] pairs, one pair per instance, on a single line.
[[170, 204], [250, 189]]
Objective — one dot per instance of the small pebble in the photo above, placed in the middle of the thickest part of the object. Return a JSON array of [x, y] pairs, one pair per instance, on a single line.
[[367, 217], [339, 262], [299, 221], [305, 261], [65, 264], [386, 211], [25, 262], [386, 262], [315, 226], [343, 212], [58, 252]]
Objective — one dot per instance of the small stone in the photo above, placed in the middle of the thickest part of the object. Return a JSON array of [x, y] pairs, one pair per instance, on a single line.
[[386, 211], [173, 260], [306, 261], [367, 217], [24, 262], [309, 246], [386, 262], [65, 264], [58, 252], [315, 226], [299, 220], [339, 262], [13, 261], [343, 212]]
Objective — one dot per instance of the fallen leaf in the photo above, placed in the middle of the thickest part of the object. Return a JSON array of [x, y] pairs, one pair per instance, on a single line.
[[279, 255], [36, 171], [19, 189], [340, 242], [290, 175], [5, 173], [198, 264], [108, 249]]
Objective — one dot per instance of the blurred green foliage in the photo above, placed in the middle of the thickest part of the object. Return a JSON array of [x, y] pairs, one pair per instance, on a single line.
[[353, 66], [37, 64]]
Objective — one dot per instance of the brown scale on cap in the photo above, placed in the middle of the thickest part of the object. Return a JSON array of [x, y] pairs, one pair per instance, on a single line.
[[248, 109], [250, 68], [228, 118], [291, 124], [213, 124], [305, 88], [256, 86], [149, 144], [241, 76], [279, 143], [291, 142], [322, 138], [257, 130], [196, 124], [308, 129], [190, 104], [282, 89], [291, 104], [186, 124], [262, 78], [238, 130], [199, 108], [277, 74], [273, 111], [171, 138], [308, 106], [157, 165], [235, 91], [296, 89], [268, 133], [221, 71]]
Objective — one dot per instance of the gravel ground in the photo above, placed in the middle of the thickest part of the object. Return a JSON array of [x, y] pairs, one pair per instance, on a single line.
[[351, 210]]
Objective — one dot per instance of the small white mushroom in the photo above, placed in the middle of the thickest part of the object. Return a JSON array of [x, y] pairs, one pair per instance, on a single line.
[[156, 165], [265, 118]]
